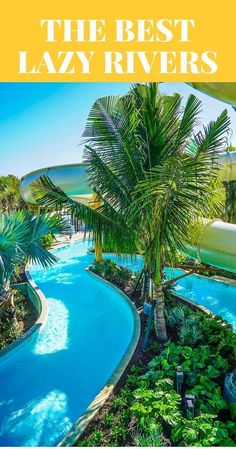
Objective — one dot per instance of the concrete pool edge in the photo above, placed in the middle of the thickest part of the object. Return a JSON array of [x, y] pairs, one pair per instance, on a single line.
[[192, 304], [98, 402], [40, 321]]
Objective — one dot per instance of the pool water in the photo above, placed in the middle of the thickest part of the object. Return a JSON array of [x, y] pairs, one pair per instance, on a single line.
[[48, 381], [218, 297]]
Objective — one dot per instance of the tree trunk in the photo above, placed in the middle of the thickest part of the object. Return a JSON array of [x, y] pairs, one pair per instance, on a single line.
[[8, 305], [96, 203], [144, 286], [13, 309], [159, 317], [98, 247]]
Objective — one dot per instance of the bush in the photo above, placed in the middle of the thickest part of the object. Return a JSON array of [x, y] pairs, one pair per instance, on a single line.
[[48, 241], [10, 329], [112, 272], [149, 412]]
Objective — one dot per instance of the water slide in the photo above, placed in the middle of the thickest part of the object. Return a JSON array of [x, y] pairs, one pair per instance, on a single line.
[[225, 92], [217, 242]]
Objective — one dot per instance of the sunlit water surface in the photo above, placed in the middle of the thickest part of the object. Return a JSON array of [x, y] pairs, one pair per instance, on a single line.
[[48, 381]]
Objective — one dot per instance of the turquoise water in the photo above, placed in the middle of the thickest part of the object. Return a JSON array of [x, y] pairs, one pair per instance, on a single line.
[[48, 381], [218, 297]]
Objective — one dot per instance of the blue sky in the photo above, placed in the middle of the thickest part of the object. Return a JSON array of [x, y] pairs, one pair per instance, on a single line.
[[41, 123]]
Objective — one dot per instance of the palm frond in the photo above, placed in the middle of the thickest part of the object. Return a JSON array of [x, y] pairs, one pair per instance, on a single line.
[[102, 220]]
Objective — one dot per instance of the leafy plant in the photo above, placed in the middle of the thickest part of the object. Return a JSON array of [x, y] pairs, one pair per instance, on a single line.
[[96, 439], [161, 403], [203, 431], [153, 438], [11, 329], [175, 316], [208, 394], [112, 272], [189, 333]]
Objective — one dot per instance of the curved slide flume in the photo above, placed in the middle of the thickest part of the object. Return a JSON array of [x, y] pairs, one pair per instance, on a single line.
[[216, 244], [50, 379]]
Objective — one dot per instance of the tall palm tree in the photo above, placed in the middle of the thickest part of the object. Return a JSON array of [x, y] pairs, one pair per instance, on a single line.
[[21, 241], [153, 177]]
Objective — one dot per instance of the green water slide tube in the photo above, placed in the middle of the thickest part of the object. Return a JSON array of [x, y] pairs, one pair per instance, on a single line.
[[70, 178], [220, 91], [217, 243]]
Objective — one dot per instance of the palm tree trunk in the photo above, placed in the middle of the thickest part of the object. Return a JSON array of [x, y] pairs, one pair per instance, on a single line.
[[8, 300], [96, 203], [12, 302], [98, 247], [144, 285], [159, 317]]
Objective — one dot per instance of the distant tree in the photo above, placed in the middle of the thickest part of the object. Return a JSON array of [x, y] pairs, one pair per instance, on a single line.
[[10, 199]]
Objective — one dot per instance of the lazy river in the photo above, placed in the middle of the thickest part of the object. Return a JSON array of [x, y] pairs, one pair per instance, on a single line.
[[51, 378]]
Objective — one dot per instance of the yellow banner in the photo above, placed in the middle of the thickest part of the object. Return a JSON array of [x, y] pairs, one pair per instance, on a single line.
[[118, 41]]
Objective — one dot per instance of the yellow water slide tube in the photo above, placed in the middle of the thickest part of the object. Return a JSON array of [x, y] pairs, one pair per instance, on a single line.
[[217, 243]]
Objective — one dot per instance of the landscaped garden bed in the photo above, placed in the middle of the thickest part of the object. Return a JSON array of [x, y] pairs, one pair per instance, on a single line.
[[146, 409], [14, 324]]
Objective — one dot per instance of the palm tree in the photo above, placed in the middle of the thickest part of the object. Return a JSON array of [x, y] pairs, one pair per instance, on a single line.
[[10, 199], [152, 175], [21, 242]]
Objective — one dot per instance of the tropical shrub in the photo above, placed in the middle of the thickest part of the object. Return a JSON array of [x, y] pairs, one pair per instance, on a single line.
[[25, 316], [148, 411], [150, 439], [113, 272], [48, 241], [189, 333], [10, 199], [203, 430], [158, 404]]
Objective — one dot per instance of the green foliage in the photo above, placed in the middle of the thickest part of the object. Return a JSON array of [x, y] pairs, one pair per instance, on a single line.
[[160, 404], [148, 411], [230, 202], [175, 316], [195, 327], [95, 439], [11, 329], [189, 333], [10, 199], [21, 241], [153, 438], [113, 272], [48, 241], [204, 431]]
